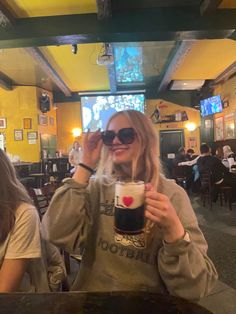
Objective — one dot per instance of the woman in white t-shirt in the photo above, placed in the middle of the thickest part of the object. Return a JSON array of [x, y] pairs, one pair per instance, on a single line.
[[75, 155], [23, 254]]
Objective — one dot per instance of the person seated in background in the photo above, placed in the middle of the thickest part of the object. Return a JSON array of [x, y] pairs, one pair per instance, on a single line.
[[24, 259], [180, 156], [219, 173], [190, 154], [217, 152], [75, 155], [178, 173], [193, 173], [229, 159]]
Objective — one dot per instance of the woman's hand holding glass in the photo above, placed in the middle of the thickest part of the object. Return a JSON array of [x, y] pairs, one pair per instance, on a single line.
[[92, 145], [159, 210]]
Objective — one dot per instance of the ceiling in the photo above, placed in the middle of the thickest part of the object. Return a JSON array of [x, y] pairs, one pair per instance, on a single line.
[[153, 42]]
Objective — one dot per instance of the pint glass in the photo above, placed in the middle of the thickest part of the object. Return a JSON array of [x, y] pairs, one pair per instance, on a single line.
[[129, 207]]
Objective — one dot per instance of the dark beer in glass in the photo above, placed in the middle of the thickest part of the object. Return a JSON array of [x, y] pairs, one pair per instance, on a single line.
[[129, 207]]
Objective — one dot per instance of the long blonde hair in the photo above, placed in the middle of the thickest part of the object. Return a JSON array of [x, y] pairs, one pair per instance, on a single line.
[[145, 164]]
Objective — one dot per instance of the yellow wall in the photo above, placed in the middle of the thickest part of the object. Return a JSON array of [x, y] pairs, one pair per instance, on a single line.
[[170, 108], [23, 102], [68, 117], [14, 106]]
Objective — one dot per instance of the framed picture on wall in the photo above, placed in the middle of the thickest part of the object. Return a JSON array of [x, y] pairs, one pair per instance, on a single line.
[[229, 126], [27, 123], [43, 120], [32, 135], [18, 135], [219, 129], [3, 123]]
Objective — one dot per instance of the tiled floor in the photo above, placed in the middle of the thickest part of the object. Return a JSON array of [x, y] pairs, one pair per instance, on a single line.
[[219, 228]]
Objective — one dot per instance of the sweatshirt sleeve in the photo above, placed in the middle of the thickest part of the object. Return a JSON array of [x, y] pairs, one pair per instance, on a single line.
[[68, 219], [189, 162], [184, 266]]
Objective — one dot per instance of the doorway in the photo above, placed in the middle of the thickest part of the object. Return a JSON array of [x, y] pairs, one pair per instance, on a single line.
[[170, 142]]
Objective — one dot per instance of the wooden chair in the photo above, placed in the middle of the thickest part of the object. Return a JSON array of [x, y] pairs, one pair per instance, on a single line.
[[179, 173], [40, 200], [206, 188], [225, 195]]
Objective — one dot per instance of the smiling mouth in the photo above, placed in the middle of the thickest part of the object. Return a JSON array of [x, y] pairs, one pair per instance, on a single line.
[[118, 149]]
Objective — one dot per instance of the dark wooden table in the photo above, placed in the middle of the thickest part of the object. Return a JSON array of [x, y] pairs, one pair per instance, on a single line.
[[96, 303]]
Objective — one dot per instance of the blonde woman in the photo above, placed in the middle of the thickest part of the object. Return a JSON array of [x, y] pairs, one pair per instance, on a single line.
[[27, 263], [170, 256], [229, 157]]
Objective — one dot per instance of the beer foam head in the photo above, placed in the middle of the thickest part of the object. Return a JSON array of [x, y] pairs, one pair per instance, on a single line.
[[129, 194]]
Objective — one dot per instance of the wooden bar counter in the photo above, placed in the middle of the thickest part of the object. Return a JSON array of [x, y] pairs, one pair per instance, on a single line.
[[96, 303]]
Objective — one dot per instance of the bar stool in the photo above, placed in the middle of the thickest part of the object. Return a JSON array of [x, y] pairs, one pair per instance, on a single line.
[[225, 195]]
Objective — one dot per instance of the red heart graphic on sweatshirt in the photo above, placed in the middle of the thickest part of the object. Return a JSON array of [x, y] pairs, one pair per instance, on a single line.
[[127, 200]]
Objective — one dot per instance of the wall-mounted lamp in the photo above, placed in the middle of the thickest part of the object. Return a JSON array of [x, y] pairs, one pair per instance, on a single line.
[[190, 126], [76, 132]]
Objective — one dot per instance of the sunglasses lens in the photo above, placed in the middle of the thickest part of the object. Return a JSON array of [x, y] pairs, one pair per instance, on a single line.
[[108, 137], [126, 135]]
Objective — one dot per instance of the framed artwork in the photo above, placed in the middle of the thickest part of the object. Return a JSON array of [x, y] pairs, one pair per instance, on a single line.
[[18, 135], [229, 126], [3, 123], [192, 142], [27, 123], [51, 120], [219, 129], [32, 135], [43, 120]]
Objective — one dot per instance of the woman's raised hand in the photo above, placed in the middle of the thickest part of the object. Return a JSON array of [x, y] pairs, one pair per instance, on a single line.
[[160, 210], [92, 145]]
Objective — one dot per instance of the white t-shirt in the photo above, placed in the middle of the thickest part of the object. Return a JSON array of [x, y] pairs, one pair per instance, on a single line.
[[24, 241], [75, 156]]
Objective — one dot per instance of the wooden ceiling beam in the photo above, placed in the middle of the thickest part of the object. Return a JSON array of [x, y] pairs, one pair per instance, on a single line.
[[226, 74], [158, 24], [103, 9], [5, 82], [177, 57], [208, 6], [5, 15], [48, 69]]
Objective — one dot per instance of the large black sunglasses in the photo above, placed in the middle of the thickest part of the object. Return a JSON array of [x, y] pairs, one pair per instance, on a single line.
[[125, 136]]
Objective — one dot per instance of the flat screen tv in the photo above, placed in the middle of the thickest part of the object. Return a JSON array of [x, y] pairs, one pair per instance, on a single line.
[[211, 105], [96, 110]]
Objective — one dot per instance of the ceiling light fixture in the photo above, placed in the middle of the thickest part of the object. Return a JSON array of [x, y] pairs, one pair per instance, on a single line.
[[186, 84]]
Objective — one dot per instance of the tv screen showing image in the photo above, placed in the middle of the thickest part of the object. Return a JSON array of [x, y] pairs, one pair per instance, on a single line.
[[211, 105], [96, 110], [128, 64]]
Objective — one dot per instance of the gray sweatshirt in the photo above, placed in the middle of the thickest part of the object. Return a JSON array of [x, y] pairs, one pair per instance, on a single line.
[[83, 216]]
